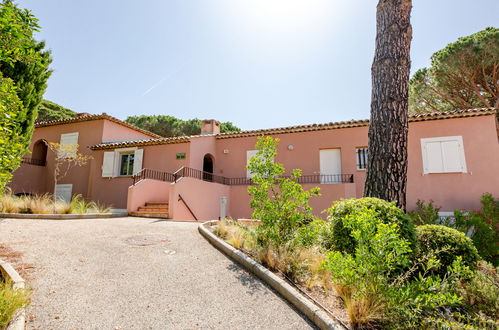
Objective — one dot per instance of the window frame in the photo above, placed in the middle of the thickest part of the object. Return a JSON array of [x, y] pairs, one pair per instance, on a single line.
[[441, 139], [357, 163]]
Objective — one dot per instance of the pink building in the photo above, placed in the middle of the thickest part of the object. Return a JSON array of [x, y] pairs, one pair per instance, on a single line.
[[453, 160]]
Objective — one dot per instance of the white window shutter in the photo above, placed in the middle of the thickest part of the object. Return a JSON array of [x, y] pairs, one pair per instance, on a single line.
[[69, 139], [249, 154], [63, 192], [137, 161], [443, 155], [108, 165], [434, 157], [451, 157]]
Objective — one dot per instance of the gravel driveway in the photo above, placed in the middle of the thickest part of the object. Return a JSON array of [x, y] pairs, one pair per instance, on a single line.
[[135, 273]]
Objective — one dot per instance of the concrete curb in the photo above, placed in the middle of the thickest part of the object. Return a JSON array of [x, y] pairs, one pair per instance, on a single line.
[[315, 314], [10, 273], [63, 216]]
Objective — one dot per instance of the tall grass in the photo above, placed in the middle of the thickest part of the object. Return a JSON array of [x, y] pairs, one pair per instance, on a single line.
[[11, 300], [45, 204]]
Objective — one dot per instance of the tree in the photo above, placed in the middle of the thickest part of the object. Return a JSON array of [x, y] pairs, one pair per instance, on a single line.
[[463, 75], [387, 166], [279, 202], [52, 111], [16, 42], [169, 126], [66, 157], [31, 81]]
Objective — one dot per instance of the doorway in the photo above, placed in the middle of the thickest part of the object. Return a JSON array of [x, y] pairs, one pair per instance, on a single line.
[[208, 167], [330, 163]]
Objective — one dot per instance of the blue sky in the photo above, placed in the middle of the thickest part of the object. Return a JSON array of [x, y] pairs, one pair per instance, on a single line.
[[257, 63]]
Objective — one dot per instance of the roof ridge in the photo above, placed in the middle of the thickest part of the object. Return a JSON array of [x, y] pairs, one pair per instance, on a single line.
[[359, 122], [89, 117]]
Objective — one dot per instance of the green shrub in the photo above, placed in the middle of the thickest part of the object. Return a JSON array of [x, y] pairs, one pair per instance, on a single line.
[[425, 214], [447, 243], [10, 301], [278, 201], [481, 292], [385, 212], [483, 227], [316, 233]]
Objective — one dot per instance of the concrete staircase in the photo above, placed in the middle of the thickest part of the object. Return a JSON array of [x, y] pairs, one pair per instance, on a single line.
[[152, 210]]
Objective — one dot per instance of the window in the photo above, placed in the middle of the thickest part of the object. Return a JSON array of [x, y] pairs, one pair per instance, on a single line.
[[122, 162], [69, 145], [443, 155], [249, 154], [361, 155], [126, 164]]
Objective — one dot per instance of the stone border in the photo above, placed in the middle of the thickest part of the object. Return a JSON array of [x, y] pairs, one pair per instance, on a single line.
[[10, 273], [63, 216], [314, 313]]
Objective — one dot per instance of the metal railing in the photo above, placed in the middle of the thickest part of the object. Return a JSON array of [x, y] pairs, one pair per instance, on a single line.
[[32, 161], [187, 172], [148, 173]]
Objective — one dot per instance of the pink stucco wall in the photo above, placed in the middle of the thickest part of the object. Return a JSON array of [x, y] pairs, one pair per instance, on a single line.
[[202, 197], [456, 190], [113, 191], [147, 191], [115, 132], [239, 199], [451, 191]]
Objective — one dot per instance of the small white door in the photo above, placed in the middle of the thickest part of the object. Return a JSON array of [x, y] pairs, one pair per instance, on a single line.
[[330, 163], [63, 192]]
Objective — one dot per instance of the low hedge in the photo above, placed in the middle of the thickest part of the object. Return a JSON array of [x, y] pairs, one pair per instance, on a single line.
[[433, 238], [386, 212]]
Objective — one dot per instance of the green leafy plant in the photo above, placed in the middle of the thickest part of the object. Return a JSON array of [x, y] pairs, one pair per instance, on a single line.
[[425, 214], [279, 202], [11, 300], [316, 233], [448, 244], [481, 293], [386, 212], [483, 227]]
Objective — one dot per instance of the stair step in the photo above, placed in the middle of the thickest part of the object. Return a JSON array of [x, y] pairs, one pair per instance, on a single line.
[[153, 209], [162, 215], [156, 204]]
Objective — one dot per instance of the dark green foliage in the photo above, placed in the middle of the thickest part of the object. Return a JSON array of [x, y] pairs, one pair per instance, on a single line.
[[23, 74], [169, 126], [447, 243], [425, 214], [316, 233], [481, 292], [483, 226], [31, 79], [386, 212], [52, 111], [462, 75], [279, 202]]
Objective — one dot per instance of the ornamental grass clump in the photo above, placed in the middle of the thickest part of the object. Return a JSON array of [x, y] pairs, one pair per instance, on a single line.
[[11, 300]]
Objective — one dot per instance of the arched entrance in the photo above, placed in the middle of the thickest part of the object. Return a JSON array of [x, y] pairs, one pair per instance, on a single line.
[[39, 154], [208, 167]]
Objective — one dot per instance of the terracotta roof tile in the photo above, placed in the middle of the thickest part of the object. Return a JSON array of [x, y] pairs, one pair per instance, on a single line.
[[88, 117], [294, 129], [357, 123], [140, 142]]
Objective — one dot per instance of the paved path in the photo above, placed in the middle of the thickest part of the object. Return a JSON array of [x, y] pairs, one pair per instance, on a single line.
[[135, 273]]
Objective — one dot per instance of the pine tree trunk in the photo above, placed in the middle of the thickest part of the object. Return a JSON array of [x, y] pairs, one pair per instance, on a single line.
[[387, 166]]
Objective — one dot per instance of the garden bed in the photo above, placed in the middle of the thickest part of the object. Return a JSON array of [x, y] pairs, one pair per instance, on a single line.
[[11, 280], [320, 306], [62, 216]]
